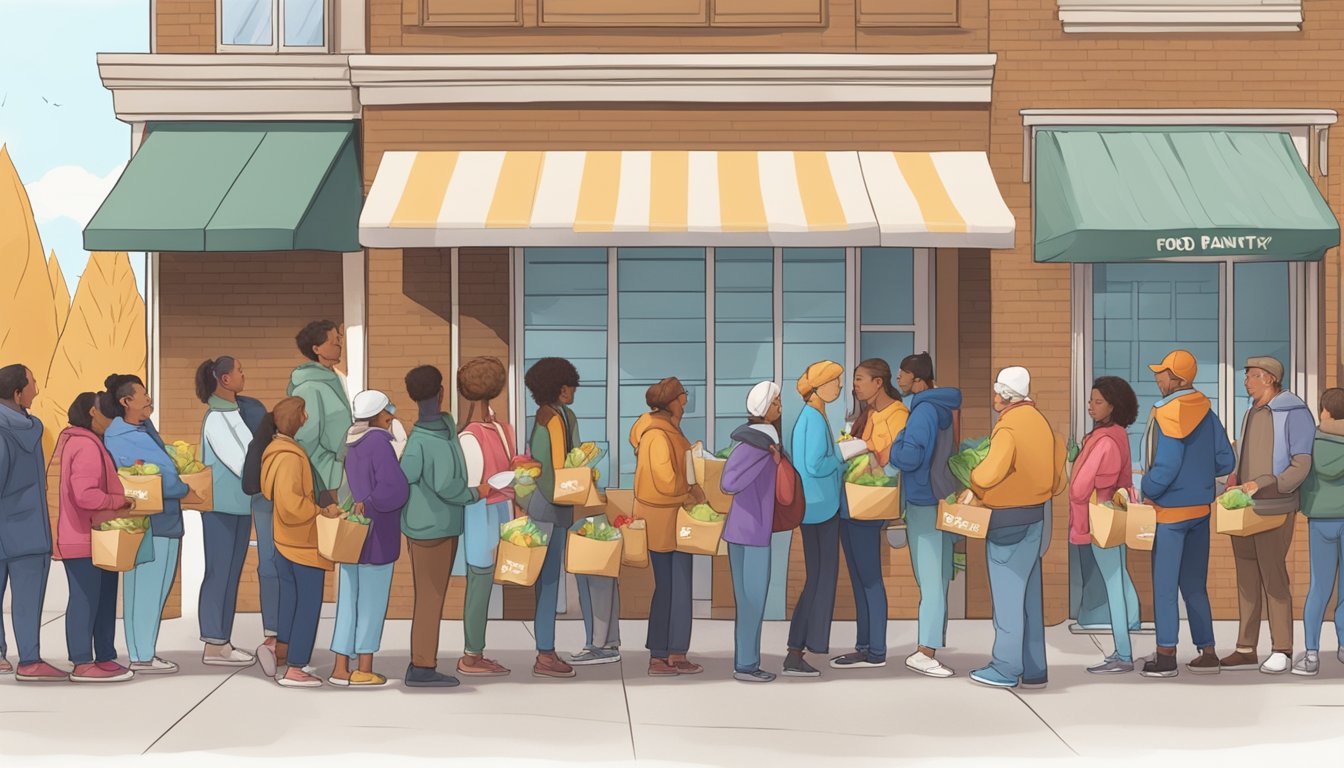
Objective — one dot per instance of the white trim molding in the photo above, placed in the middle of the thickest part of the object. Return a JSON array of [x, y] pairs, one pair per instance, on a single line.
[[1149, 16], [353, 284], [400, 79], [149, 87]]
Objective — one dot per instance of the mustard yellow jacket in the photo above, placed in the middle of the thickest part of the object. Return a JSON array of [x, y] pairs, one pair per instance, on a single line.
[[1025, 466]]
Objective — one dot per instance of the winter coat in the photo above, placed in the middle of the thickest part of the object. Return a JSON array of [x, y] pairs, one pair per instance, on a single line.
[[89, 490], [377, 482], [328, 407], [437, 472], [25, 528]]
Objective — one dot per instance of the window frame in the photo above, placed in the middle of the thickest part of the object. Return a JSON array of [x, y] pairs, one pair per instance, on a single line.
[[277, 32]]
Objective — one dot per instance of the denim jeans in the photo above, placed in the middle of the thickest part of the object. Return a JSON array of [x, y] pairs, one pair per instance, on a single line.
[[1326, 542], [751, 579], [144, 592], [862, 541], [361, 608], [1181, 566], [670, 611], [225, 537], [1121, 598], [810, 628], [1014, 558], [91, 614], [268, 580], [300, 608], [931, 560], [600, 603], [547, 588], [28, 575]]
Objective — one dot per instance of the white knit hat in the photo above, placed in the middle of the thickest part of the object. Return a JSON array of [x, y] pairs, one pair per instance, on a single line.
[[1014, 383], [760, 397], [370, 403]]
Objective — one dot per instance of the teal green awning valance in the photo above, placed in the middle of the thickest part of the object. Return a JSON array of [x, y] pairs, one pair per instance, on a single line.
[[235, 187], [1133, 195]]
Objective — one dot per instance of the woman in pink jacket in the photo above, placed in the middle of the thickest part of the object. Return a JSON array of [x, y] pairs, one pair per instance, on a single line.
[[90, 494], [1103, 467]]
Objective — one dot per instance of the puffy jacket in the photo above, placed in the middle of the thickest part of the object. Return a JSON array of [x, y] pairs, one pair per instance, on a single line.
[[1188, 450]]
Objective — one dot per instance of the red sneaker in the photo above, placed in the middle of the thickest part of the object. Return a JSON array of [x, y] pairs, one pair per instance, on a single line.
[[40, 672], [104, 672]]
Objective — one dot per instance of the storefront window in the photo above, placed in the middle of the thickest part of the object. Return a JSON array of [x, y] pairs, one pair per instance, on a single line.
[[1262, 324], [814, 323], [744, 332], [887, 306]]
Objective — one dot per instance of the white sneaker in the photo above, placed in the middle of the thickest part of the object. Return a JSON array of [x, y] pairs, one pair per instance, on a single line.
[[155, 666], [226, 656], [1308, 663], [1277, 664], [918, 662]]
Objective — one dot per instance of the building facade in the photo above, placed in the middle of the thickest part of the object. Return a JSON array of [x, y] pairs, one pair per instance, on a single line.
[[727, 191]]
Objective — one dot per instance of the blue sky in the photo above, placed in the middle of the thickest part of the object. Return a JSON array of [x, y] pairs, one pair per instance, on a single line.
[[69, 155]]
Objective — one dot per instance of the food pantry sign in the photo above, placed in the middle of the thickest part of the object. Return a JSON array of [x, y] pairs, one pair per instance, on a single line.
[[1209, 245]]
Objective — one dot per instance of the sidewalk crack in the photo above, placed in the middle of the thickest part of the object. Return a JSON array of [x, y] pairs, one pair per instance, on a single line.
[[193, 709], [625, 693], [1033, 711]]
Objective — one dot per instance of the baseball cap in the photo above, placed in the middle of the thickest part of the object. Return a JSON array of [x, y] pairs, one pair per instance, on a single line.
[[1269, 364], [1180, 363], [370, 403]]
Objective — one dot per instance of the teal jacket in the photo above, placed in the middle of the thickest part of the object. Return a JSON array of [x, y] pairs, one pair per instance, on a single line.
[[819, 466], [437, 471], [1323, 492], [323, 435]]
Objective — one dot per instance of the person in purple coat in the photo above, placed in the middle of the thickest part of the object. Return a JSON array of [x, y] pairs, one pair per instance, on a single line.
[[750, 476], [379, 490]]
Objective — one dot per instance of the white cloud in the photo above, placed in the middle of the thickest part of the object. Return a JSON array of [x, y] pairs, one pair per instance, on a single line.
[[70, 192]]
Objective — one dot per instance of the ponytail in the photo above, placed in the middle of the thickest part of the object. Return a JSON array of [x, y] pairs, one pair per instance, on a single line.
[[205, 381]]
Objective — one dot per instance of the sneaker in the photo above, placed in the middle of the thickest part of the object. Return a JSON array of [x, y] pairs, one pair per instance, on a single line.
[[107, 672], [479, 666], [550, 665], [1112, 665], [429, 677], [988, 677], [796, 666], [155, 666], [40, 672], [5, 667], [1240, 662], [589, 657], [662, 668], [226, 656], [1034, 685], [1308, 663], [266, 658], [1162, 665], [1277, 664], [927, 665], [897, 536], [297, 678], [683, 665], [1206, 663], [754, 676], [360, 679], [1079, 628], [858, 660]]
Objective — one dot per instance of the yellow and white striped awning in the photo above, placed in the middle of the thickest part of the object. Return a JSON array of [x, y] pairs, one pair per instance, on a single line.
[[698, 198]]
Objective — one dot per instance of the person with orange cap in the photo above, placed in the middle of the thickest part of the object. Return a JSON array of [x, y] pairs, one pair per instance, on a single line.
[[1187, 450]]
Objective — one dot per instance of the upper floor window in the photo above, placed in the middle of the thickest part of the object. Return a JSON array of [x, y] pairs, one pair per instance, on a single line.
[[274, 25]]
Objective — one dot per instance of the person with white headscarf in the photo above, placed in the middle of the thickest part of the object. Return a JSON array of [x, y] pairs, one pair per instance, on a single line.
[[750, 475], [1024, 470]]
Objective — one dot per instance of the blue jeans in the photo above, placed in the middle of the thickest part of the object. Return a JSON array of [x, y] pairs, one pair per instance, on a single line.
[[28, 574], [361, 608], [548, 588], [751, 580], [862, 541], [225, 537], [670, 611], [931, 560], [1326, 542], [1121, 597], [144, 592], [1181, 564], [300, 608], [600, 603], [263, 519], [91, 614], [1014, 558]]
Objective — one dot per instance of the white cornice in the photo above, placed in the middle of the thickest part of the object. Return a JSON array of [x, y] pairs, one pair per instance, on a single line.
[[401, 79], [1262, 117], [1140, 16]]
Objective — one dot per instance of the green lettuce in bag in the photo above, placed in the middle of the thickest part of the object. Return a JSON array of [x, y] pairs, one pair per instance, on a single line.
[[970, 457], [1236, 499]]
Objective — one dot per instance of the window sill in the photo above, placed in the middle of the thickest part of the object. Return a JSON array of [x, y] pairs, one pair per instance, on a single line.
[[1150, 16]]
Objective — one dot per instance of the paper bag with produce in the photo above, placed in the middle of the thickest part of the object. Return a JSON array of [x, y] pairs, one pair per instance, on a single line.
[[522, 552], [699, 530], [341, 539], [1234, 514], [576, 481], [525, 473], [114, 543], [594, 548], [634, 541], [143, 484], [970, 520], [198, 477], [1140, 522], [870, 493], [708, 474], [1107, 520]]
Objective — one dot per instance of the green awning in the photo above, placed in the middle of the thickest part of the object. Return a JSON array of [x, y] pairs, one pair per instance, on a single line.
[[1133, 195], [235, 187]]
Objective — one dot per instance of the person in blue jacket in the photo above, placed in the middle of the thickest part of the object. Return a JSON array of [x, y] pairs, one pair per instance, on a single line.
[[921, 453], [819, 466], [131, 438]]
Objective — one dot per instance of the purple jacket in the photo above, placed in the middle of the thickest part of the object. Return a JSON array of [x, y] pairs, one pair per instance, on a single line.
[[376, 480], [750, 476]]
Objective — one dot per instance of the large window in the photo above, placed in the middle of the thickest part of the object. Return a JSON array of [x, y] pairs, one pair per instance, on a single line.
[[889, 304], [273, 25], [744, 332], [814, 325]]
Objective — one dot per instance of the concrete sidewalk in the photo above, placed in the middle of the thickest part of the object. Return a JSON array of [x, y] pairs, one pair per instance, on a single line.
[[616, 713]]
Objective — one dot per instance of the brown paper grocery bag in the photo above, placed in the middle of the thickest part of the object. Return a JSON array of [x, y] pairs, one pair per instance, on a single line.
[[595, 499], [516, 564], [340, 540], [698, 537], [969, 520], [1108, 524], [115, 550], [1244, 522], [870, 502], [202, 494], [1140, 526], [709, 476], [635, 544], [572, 486], [589, 557], [146, 491]]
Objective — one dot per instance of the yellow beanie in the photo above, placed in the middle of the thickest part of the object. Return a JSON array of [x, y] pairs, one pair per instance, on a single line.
[[816, 376]]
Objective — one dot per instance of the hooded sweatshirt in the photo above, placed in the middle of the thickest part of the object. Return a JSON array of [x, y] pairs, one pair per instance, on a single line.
[[89, 489], [1276, 442], [25, 528], [377, 482], [660, 461], [329, 416], [750, 476], [129, 443], [287, 480], [930, 414], [1323, 493], [437, 473], [1187, 451]]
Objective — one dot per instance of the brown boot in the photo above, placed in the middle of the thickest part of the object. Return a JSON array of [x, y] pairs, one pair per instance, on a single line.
[[550, 665], [479, 666], [1206, 663], [683, 666], [662, 668], [1240, 660]]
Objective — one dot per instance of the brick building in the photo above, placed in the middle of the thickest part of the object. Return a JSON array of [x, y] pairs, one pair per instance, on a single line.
[[726, 191]]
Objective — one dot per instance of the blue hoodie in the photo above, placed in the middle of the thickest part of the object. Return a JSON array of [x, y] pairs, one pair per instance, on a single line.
[[930, 413], [129, 443], [25, 528], [1188, 450]]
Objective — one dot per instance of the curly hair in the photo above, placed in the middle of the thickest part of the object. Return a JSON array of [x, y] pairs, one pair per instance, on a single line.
[[482, 379], [1117, 392], [546, 377]]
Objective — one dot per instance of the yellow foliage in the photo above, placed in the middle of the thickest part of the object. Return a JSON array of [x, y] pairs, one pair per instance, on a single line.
[[27, 313], [60, 292]]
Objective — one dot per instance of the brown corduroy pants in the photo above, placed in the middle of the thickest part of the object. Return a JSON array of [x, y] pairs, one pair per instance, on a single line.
[[431, 567], [1262, 576]]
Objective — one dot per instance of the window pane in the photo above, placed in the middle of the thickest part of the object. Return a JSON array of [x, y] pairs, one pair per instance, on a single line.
[[305, 23], [246, 22], [887, 286], [814, 323], [744, 343], [1140, 312], [890, 346], [1261, 323]]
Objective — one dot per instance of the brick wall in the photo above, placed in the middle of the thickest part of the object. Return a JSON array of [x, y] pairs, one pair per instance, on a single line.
[[184, 26], [974, 338]]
